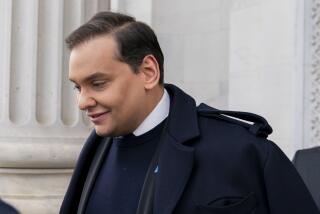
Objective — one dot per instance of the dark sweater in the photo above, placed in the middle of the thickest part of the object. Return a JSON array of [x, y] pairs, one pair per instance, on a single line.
[[119, 183]]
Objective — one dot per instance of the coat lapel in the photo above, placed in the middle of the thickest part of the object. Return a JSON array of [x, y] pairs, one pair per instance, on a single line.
[[174, 168], [95, 166], [176, 158], [73, 194]]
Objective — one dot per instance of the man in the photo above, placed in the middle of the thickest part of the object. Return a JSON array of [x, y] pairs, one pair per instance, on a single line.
[[153, 150]]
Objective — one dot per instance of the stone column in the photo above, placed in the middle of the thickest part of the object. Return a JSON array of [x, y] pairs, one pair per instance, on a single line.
[[41, 129]]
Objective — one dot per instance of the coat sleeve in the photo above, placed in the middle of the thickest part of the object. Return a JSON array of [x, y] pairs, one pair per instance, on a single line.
[[285, 189], [7, 209]]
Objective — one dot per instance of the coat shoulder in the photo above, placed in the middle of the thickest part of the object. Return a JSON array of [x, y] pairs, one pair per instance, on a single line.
[[253, 123], [307, 155], [232, 137]]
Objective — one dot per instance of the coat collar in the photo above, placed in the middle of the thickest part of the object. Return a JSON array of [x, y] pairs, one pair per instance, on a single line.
[[176, 159], [182, 119]]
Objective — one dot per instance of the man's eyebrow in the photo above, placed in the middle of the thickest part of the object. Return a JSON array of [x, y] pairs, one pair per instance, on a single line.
[[92, 77], [95, 76]]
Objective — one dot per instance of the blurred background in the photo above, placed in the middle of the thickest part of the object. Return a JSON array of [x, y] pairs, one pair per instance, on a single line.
[[260, 56]]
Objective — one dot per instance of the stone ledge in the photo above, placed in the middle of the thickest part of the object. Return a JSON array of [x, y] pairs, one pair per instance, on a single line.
[[34, 190], [35, 205], [42, 153]]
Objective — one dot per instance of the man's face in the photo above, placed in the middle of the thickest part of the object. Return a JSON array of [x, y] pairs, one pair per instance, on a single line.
[[110, 93]]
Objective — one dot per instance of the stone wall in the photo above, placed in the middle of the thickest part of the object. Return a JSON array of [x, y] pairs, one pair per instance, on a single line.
[[266, 72]]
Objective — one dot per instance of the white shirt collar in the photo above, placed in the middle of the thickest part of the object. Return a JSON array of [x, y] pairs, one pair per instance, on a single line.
[[158, 114]]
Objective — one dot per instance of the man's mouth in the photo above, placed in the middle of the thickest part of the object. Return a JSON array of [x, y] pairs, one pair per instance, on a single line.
[[97, 117]]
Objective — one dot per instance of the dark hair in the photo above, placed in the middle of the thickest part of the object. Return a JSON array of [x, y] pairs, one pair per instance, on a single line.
[[135, 39]]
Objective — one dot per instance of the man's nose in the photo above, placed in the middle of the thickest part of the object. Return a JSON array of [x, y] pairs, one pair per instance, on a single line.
[[85, 101]]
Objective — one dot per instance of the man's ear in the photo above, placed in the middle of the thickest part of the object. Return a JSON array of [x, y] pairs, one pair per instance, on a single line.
[[150, 71]]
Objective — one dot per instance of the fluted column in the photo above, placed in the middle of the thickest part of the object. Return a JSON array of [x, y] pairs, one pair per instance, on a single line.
[[41, 129]]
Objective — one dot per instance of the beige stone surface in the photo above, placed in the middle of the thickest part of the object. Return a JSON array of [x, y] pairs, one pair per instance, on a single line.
[[34, 191]]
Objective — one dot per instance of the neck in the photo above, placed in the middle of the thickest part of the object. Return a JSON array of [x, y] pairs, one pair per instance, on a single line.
[[154, 96], [156, 116]]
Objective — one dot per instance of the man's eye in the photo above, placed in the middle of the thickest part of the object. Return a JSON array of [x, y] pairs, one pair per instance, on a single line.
[[77, 88], [98, 83]]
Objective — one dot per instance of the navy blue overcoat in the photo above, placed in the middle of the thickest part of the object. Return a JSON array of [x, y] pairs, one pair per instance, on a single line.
[[211, 163]]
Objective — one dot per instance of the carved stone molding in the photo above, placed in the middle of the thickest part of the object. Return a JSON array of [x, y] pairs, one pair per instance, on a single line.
[[312, 80]]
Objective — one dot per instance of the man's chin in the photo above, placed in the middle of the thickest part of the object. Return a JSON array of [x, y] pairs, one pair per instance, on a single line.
[[102, 133]]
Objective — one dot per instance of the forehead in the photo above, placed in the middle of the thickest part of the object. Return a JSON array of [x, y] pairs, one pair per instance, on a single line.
[[97, 54]]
